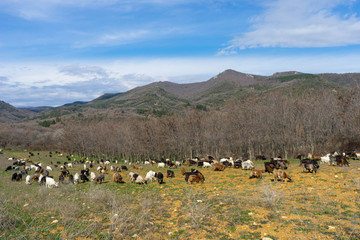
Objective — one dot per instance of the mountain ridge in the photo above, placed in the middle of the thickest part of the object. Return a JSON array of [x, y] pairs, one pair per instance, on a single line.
[[163, 97]]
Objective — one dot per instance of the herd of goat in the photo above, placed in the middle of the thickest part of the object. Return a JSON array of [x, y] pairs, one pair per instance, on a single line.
[[276, 166]]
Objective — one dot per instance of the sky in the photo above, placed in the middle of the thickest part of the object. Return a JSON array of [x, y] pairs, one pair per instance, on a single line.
[[54, 52]]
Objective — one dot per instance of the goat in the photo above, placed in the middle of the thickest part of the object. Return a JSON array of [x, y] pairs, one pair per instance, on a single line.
[[161, 165], [281, 174], [248, 164], [196, 178], [117, 178], [92, 176], [99, 179], [150, 175], [136, 166], [140, 180], [269, 167], [27, 179], [256, 173], [50, 182], [206, 165], [76, 178], [71, 179], [219, 167], [84, 178], [170, 174], [160, 178], [61, 179], [123, 167]]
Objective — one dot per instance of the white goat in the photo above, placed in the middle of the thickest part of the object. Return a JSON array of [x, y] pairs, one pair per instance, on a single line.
[[50, 183], [206, 165], [48, 168], [325, 159], [140, 180], [92, 176], [27, 179], [161, 165], [150, 176], [76, 178], [248, 164]]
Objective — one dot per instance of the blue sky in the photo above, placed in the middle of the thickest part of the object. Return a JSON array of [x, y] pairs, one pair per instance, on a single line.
[[54, 52]]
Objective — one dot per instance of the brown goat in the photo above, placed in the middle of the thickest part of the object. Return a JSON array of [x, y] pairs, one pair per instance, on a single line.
[[196, 178], [281, 174], [219, 167], [135, 166], [255, 173], [117, 178]]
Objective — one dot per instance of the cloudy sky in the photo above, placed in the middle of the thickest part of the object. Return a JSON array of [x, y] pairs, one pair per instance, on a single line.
[[54, 52]]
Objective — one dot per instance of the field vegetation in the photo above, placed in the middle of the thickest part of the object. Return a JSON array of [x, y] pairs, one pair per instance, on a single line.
[[228, 205]]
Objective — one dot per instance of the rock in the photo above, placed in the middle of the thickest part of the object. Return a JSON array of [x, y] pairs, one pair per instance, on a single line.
[[331, 227], [266, 238]]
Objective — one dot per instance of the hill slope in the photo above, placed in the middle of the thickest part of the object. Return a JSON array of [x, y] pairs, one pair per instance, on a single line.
[[160, 98]]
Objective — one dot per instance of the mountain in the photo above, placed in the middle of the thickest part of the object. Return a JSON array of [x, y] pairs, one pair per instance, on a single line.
[[161, 98], [9, 113]]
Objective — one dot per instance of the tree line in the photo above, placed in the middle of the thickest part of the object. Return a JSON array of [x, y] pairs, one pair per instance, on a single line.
[[277, 123]]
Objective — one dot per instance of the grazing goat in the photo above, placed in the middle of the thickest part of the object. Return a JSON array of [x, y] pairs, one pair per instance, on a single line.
[[117, 178], [206, 165], [160, 178], [99, 179], [256, 173], [219, 167], [170, 174], [71, 179], [123, 167], [136, 166], [269, 167], [132, 176], [139, 179], [150, 176], [92, 176], [341, 161], [238, 163], [196, 178], [326, 159], [161, 165], [311, 166], [188, 174], [27, 179], [84, 178], [248, 164], [61, 179], [76, 178], [281, 174], [50, 182], [16, 177]]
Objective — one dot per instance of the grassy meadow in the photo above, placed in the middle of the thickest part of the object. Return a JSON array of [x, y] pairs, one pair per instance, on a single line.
[[228, 205]]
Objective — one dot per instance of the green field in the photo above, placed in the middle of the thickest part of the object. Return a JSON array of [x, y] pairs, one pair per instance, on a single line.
[[228, 205]]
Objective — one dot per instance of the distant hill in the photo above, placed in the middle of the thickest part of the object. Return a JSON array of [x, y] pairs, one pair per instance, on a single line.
[[9, 113], [161, 98]]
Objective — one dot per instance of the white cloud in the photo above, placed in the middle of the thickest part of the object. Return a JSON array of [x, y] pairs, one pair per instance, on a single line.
[[47, 9], [300, 23]]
